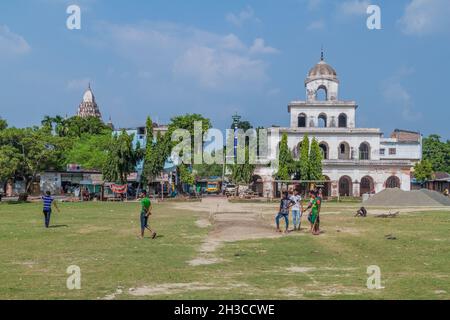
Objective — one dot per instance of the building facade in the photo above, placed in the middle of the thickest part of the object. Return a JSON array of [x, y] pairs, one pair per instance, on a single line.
[[356, 160]]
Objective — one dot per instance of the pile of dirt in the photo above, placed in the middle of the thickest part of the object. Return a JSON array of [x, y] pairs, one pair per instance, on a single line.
[[400, 198]]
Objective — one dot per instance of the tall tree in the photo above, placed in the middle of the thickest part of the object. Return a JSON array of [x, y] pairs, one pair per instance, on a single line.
[[122, 158], [286, 164], [187, 122], [315, 161], [9, 162], [47, 123], [36, 149], [303, 162], [156, 153], [437, 152]]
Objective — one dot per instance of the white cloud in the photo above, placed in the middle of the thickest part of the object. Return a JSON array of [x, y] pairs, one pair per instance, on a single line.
[[213, 68], [196, 57], [12, 43], [239, 19], [316, 25], [259, 46], [397, 94], [353, 8], [424, 17]]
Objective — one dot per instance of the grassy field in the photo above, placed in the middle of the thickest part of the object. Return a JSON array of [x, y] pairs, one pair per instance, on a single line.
[[101, 238]]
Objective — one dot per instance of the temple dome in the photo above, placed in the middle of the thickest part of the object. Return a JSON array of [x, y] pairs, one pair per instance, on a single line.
[[88, 107], [88, 96], [322, 70]]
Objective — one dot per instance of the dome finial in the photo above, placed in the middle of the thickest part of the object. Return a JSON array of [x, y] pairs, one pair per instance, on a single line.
[[321, 54]]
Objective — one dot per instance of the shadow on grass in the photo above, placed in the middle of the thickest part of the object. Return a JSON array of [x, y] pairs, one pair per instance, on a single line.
[[59, 226]]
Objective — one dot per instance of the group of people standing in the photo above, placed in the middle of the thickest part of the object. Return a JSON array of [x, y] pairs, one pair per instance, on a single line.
[[293, 202]]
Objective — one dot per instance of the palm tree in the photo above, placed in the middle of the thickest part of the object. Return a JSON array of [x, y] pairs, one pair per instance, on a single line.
[[47, 122]]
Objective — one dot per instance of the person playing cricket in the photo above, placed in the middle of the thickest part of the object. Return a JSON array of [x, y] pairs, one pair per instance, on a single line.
[[146, 212], [48, 201]]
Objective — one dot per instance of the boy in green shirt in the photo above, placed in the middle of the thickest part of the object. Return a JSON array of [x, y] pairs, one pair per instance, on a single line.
[[146, 211]]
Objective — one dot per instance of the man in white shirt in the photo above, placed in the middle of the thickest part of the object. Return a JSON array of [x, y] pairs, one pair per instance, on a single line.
[[297, 210]]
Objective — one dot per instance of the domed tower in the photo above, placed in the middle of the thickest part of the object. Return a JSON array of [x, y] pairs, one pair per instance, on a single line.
[[88, 107], [322, 77]]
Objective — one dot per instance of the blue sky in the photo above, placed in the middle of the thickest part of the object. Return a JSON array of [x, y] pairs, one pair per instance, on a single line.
[[164, 58]]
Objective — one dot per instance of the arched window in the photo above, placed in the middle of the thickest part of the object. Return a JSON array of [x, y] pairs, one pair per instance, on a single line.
[[302, 120], [344, 151], [345, 186], [364, 151], [322, 94], [366, 185], [324, 147], [322, 120], [342, 120], [326, 191], [393, 182]]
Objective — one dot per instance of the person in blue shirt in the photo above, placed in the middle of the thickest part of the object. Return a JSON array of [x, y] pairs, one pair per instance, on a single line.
[[285, 204], [48, 201]]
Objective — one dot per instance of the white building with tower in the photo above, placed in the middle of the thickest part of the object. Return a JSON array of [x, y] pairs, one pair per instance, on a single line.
[[356, 160]]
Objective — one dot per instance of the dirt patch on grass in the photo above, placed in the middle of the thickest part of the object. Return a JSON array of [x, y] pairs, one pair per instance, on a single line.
[[203, 223], [177, 288], [230, 222], [300, 269], [93, 229], [202, 261], [169, 288]]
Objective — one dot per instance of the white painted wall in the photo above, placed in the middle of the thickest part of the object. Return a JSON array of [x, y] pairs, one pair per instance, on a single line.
[[404, 150]]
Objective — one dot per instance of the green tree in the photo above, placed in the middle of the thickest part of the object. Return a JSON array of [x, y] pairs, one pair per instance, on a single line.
[[286, 164], [207, 170], [315, 161], [3, 124], [121, 158], [187, 122], [423, 171], [186, 176], [47, 123], [437, 152], [90, 151], [9, 162], [242, 124], [156, 153], [303, 162], [243, 173], [36, 149]]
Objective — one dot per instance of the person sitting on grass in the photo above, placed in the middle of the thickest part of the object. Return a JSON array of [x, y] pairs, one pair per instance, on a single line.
[[146, 211], [285, 204], [47, 201], [313, 217]]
